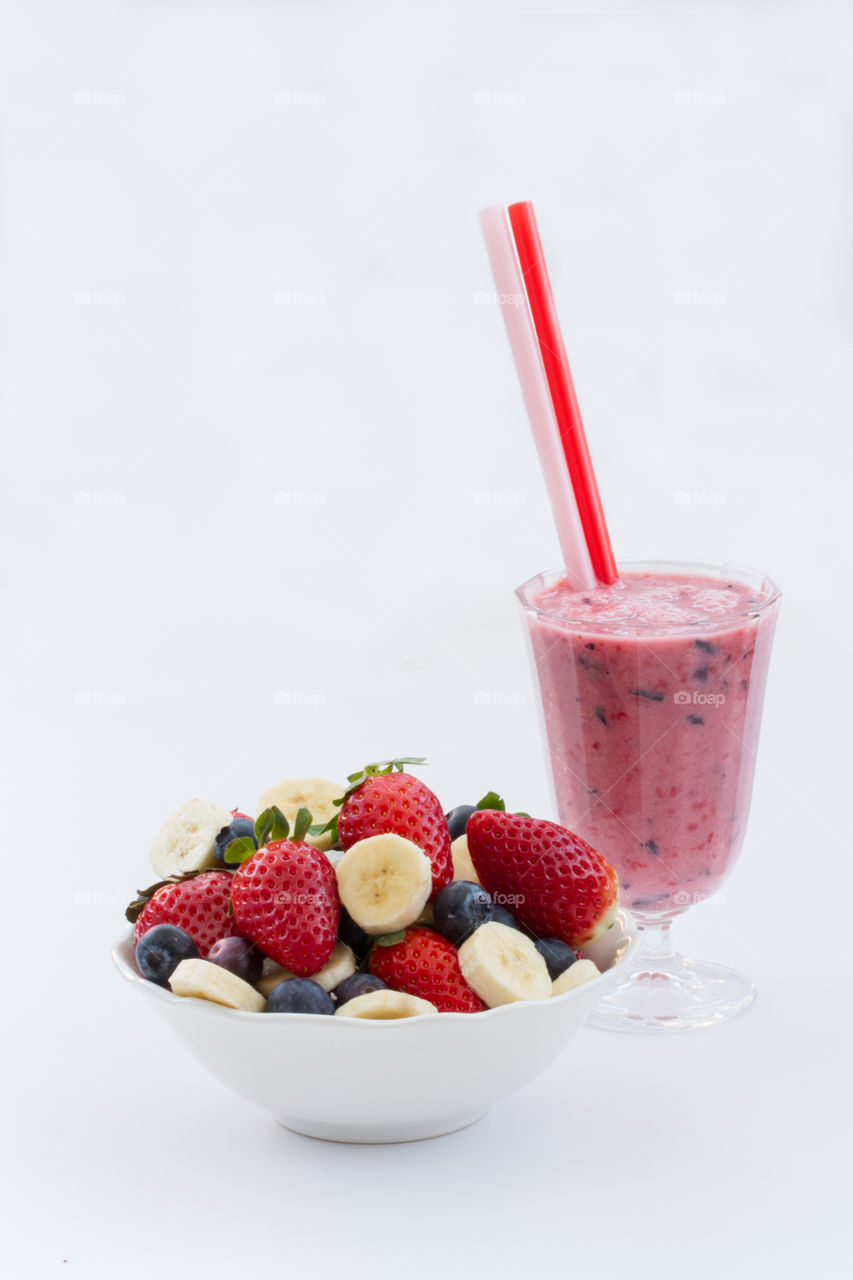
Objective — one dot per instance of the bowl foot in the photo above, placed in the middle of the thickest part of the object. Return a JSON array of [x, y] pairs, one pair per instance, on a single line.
[[375, 1133]]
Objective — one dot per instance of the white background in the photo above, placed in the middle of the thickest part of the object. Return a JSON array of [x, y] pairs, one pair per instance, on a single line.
[[267, 490]]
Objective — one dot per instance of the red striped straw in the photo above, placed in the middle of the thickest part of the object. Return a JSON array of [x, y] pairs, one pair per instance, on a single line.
[[541, 298], [537, 399]]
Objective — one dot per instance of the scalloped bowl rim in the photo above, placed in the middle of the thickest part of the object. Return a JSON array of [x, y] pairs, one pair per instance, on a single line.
[[628, 943]]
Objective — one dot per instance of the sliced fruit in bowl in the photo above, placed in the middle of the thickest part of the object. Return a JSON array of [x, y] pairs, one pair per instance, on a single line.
[[423, 963], [560, 886], [186, 841], [373, 929], [199, 903], [384, 881], [285, 899], [383, 798], [317, 795]]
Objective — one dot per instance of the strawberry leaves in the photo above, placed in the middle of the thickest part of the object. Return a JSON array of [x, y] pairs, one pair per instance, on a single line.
[[239, 850], [379, 769], [301, 824], [390, 939], [492, 801], [270, 826], [134, 909]]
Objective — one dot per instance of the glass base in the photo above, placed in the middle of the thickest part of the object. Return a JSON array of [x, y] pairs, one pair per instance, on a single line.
[[664, 991]]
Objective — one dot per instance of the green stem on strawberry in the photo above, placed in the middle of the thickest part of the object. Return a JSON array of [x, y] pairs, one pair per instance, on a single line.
[[143, 896], [301, 824], [492, 801], [271, 825], [376, 770], [239, 850]]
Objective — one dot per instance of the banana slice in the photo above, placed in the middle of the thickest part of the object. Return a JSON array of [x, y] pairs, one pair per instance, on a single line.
[[315, 794], [381, 1005], [575, 976], [185, 840], [208, 981], [340, 964], [463, 867], [272, 978], [384, 882], [503, 965]]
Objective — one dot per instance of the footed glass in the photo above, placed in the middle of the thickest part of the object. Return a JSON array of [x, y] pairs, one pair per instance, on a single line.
[[651, 693]]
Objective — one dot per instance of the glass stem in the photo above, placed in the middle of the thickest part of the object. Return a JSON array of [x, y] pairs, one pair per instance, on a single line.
[[655, 940]]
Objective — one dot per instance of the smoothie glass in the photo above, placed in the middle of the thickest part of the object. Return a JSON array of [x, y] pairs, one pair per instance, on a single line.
[[651, 694]]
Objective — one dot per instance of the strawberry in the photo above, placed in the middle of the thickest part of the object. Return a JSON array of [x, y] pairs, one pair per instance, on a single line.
[[424, 964], [285, 899], [552, 881], [198, 904], [381, 800]]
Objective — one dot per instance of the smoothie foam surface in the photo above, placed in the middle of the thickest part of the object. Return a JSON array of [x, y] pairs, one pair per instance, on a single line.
[[655, 600]]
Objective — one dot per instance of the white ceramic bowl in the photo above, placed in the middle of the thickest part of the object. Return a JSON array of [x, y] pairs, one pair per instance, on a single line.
[[352, 1080]]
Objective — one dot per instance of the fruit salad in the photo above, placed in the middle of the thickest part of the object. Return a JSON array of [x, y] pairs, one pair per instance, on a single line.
[[369, 901]]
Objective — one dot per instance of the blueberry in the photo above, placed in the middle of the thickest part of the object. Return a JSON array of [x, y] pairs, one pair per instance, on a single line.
[[161, 950], [556, 955], [299, 995], [239, 827], [357, 984], [460, 908], [239, 956], [353, 935], [457, 819], [651, 695]]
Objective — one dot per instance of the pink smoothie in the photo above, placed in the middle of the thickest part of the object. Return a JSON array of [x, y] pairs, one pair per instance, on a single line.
[[652, 692]]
